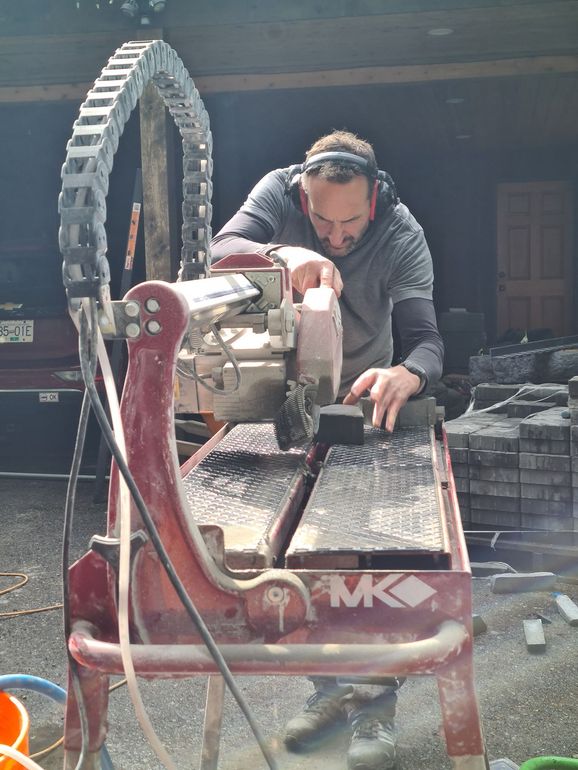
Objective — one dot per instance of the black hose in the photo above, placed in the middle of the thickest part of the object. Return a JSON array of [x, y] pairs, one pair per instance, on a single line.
[[68, 520]]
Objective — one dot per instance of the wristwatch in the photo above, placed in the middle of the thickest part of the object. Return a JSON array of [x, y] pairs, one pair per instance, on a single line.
[[419, 371]]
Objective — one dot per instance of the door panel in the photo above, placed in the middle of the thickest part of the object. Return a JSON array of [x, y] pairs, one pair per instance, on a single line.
[[535, 252]]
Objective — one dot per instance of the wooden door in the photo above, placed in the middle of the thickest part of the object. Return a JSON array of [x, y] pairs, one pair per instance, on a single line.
[[535, 256]]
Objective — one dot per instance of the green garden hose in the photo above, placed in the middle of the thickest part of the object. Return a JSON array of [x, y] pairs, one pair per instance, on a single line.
[[550, 763]]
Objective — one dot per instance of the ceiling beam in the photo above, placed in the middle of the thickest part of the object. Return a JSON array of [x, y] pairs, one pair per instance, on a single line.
[[210, 84]]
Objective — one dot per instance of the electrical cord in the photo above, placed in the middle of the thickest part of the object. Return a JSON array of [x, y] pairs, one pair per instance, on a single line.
[[23, 581], [19, 613], [90, 355], [149, 524]]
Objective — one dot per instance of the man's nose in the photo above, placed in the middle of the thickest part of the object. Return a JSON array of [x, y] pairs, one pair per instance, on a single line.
[[336, 234]]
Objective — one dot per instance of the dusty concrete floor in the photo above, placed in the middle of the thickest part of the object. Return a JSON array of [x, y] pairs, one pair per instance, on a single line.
[[528, 702]]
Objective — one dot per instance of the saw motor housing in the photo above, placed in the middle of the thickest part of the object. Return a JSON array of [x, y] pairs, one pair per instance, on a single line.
[[274, 343]]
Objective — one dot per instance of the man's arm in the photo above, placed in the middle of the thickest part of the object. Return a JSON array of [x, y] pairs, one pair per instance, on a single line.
[[421, 342], [253, 228], [422, 345], [244, 233]]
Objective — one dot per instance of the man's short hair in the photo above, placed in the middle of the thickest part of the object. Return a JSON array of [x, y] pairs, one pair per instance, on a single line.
[[334, 170]]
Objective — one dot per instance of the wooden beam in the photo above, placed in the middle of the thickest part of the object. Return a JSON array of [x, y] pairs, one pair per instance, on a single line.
[[211, 84], [419, 73], [157, 150]]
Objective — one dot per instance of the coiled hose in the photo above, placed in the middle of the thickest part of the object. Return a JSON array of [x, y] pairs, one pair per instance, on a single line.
[[50, 690]]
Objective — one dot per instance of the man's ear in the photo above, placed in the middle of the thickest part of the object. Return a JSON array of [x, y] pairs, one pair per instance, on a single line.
[[303, 199]]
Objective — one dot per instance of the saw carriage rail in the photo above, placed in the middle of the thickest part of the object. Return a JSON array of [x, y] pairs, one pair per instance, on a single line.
[[346, 561]]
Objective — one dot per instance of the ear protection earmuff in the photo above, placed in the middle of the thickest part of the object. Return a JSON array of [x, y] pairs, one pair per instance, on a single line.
[[383, 194]]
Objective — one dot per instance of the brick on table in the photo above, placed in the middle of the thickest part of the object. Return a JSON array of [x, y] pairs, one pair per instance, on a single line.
[[495, 503], [415, 412], [501, 436], [459, 430], [551, 523], [487, 457], [543, 492], [552, 391], [495, 518], [546, 507], [494, 488], [546, 446], [545, 462], [526, 408], [485, 473], [547, 425], [549, 478], [494, 392]]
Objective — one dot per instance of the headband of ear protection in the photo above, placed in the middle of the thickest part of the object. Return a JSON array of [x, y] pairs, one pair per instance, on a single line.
[[383, 194]]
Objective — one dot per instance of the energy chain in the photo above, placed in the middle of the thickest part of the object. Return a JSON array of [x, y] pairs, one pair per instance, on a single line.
[[89, 160]]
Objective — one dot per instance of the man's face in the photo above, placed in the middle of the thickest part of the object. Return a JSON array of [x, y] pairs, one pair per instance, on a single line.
[[339, 212]]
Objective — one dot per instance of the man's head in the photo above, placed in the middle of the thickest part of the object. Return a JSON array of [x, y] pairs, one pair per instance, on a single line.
[[339, 193]]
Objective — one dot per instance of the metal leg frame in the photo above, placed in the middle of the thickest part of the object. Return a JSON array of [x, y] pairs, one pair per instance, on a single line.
[[461, 717], [213, 722]]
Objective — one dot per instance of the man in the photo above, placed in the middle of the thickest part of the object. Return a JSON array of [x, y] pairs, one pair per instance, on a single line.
[[336, 221]]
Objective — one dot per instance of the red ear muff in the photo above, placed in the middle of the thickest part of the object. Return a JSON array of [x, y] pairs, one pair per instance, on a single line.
[[303, 199], [373, 202]]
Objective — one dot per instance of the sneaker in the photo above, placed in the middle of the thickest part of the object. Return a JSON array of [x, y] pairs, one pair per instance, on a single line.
[[372, 745], [322, 712]]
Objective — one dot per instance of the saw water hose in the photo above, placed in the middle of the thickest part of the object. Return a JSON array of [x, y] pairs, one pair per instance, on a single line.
[[51, 690], [550, 763]]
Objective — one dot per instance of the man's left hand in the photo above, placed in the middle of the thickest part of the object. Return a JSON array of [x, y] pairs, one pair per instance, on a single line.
[[389, 389]]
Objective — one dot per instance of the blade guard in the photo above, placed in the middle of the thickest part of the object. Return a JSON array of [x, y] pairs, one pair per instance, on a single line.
[[320, 343]]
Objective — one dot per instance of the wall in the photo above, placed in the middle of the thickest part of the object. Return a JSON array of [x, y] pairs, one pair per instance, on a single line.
[[451, 192]]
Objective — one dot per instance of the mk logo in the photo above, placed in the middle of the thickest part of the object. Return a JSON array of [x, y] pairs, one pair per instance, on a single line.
[[393, 590]]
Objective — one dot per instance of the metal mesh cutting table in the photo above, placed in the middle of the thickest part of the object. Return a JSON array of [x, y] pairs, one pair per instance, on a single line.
[[372, 505], [251, 489]]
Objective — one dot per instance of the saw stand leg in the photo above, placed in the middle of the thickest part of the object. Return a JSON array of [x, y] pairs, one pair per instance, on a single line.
[[94, 690], [461, 717], [213, 720]]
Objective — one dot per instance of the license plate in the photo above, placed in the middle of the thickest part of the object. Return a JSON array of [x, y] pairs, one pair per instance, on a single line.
[[16, 331]]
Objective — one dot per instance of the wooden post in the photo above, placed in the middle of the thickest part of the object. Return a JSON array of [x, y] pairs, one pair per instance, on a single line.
[[159, 199]]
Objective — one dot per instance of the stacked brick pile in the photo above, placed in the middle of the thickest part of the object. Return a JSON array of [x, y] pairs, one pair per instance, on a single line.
[[573, 407], [517, 467]]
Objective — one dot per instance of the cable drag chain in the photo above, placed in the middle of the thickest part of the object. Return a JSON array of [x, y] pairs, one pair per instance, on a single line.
[[89, 161]]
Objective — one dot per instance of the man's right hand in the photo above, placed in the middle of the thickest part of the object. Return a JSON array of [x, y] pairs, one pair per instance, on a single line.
[[310, 270]]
